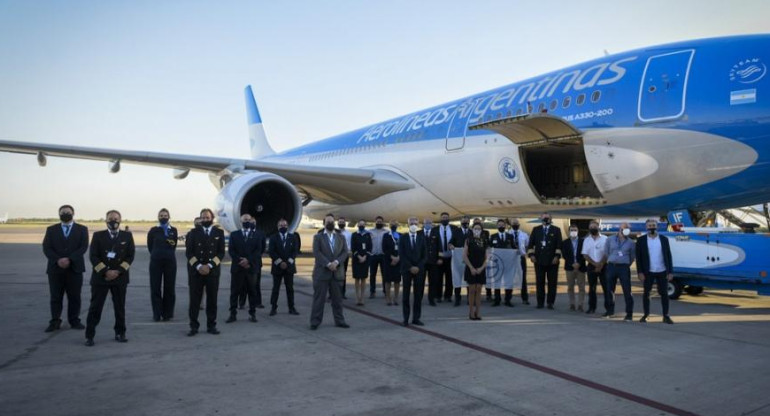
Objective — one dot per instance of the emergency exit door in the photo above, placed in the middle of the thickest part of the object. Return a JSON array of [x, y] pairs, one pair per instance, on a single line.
[[663, 90]]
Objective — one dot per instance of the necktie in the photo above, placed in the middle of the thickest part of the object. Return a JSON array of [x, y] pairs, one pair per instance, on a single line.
[[67, 230], [503, 235], [516, 239], [331, 241], [207, 231], [413, 241], [443, 237], [283, 239], [112, 235]]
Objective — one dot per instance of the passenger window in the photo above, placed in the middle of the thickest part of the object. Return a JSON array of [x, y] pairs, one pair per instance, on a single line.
[[580, 99], [554, 104], [595, 96], [566, 102], [519, 111], [541, 107]]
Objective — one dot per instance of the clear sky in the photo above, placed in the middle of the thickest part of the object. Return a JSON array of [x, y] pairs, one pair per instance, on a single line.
[[169, 76]]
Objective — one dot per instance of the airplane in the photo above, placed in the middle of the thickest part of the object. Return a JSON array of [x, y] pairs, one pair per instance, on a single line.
[[681, 126]]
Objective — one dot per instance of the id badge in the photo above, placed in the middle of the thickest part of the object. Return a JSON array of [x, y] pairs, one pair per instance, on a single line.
[[364, 246], [620, 254], [111, 254], [542, 243]]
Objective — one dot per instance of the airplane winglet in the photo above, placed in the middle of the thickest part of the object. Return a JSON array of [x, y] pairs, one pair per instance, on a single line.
[[257, 137]]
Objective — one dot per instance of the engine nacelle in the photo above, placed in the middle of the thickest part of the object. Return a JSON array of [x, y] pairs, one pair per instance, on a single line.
[[267, 197]]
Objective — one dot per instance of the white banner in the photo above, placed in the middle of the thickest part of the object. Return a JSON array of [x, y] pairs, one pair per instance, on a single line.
[[503, 269]]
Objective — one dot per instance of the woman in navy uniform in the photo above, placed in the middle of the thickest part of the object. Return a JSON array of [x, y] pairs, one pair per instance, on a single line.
[[361, 249], [391, 273], [475, 254], [111, 253], [161, 242]]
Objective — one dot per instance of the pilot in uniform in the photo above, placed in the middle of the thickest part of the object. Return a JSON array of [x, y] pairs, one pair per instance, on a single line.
[[545, 251], [205, 250]]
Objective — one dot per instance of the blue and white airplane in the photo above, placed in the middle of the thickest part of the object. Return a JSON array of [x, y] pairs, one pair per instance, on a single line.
[[677, 126]]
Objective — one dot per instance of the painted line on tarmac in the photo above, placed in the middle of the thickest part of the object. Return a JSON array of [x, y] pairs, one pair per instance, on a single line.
[[537, 367]]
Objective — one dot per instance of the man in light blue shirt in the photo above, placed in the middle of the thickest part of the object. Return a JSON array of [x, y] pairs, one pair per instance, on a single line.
[[621, 252]]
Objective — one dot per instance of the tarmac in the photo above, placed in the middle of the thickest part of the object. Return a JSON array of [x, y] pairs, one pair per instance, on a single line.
[[517, 361]]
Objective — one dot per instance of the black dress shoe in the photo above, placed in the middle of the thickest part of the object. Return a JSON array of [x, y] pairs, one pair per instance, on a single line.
[[230, 319], [526, 302], [53, 326], [192, 332], [89, 342], [293, 311], [628, 318], [260, 306], [405, 323], [166, 318], [252, 318], [371, 296], [644, 319], [121, 338], [342, 325], [418, 322], [667, 320], [497, 303], [156, 318], [273, 311], [457, 302], [78, 325], [539, 307], [313, 327], [432, 303], [550, 306], [508, 304], [213, 331], [590, 311]]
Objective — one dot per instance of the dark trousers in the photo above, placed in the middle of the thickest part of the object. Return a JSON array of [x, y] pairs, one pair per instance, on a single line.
[[543, 274], [434, 282], [98, 296], [288, 281], [620, 272], [320, 289], [508, 295], [662, 282], [594, 277], [418, 281], [244, 291], [70, 283], [162, 287], [524, 289], [198, 284], [444, 276], [244, 279], [374, 261]]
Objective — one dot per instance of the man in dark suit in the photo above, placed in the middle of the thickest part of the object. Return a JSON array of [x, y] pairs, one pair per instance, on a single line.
[[330, 251], [111, 253], [575, 268], [654, 265], [545, 251], [205, 251], [64, 245], [432, 247], [457, 240], [502, 239], [411, 249], [520, 242], [161, 242], [245, 250], [284, 248]]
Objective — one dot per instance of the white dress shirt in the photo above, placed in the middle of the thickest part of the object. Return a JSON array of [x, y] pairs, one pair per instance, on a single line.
[[595, 248], [657, 265], [523, 239]]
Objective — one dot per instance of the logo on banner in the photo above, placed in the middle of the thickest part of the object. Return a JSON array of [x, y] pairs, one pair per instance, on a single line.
[[495, 269]]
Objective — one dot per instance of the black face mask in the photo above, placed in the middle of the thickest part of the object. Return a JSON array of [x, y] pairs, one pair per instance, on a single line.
[[445, 222], [594, 231], [379, 225], [515, 227], [66, 217], [465, 224], [330, 226], [246, 225], [163, 221], [652, 230], [113, 225], [342, 225], [394, 228], [361, 228], [547, 221], [283, 230], [501, 229], [206, 224]]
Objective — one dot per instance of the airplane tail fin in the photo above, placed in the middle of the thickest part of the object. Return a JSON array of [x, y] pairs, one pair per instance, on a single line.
[[257, 137]]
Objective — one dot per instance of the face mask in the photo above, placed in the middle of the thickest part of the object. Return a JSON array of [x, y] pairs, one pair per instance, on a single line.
[[515, 227], [361, 228], [163, 221], [652, 230], [427, 228], [342, 225], [379, 225], [594, 231], [477, 233], [206, 224], [114, 225], [501, 229], [393, 228], [66, 217], [547, 221], [283, 230], [465, 224], [246, 225], [413, 228], [444, 222], [330, 226], [573, 234], [626, 231]]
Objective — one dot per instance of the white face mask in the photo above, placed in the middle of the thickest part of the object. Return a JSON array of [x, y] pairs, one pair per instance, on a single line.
[[412, 228], [477, 233], [626, 231], [573, 234]]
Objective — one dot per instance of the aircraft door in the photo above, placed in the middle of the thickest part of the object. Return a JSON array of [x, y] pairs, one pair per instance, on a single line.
[[664, 86], [455, 138]]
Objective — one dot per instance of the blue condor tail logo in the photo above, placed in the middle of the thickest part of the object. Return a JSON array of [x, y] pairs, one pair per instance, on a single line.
[[604, 73]]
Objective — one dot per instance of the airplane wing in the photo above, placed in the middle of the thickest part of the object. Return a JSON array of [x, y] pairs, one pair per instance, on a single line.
[[337, 185]]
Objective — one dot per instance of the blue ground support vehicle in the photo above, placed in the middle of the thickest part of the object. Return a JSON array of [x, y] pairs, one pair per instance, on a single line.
[[719, 258]]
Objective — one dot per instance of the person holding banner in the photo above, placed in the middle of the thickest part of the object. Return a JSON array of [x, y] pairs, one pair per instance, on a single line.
[[502, 240], [520, 242], [476, 256]]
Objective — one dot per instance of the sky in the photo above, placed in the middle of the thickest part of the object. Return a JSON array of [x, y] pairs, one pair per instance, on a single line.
[[169, 76]]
